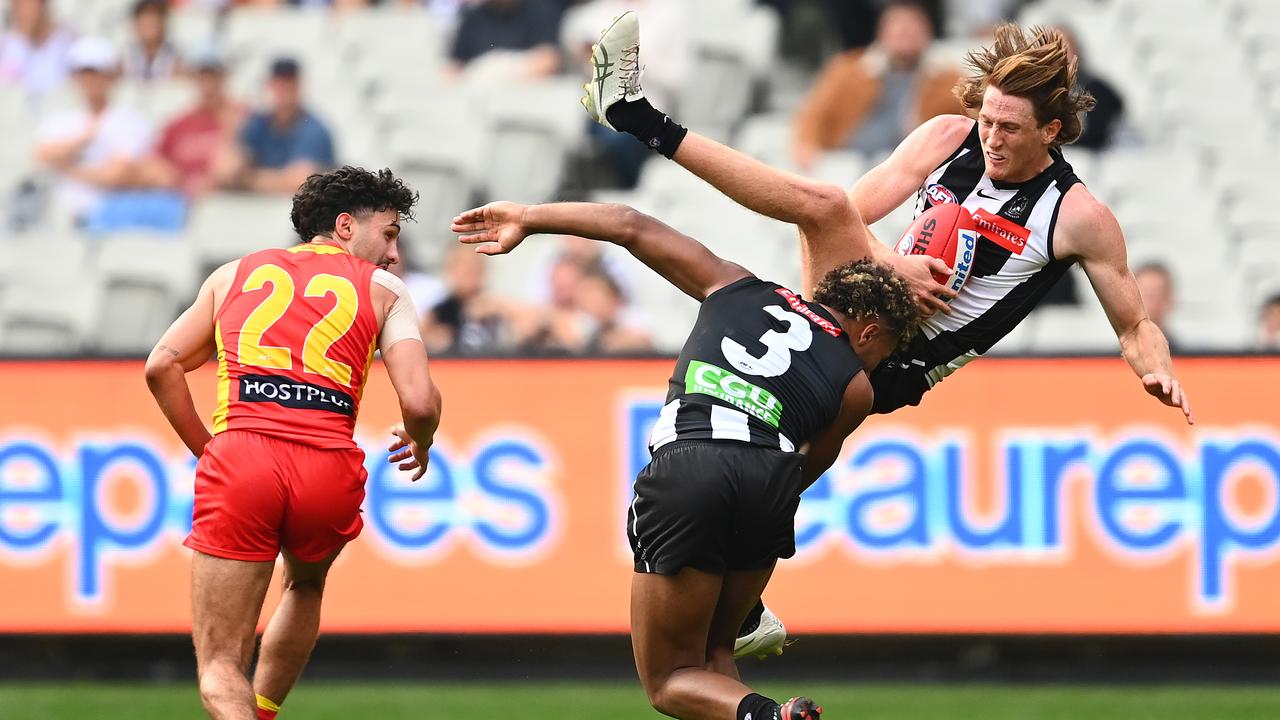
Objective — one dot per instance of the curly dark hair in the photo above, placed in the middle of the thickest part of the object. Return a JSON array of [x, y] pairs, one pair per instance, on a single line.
[[863, 289], [325, 196]]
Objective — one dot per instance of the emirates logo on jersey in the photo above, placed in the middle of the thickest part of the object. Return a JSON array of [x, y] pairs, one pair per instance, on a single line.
[[1002, 231]]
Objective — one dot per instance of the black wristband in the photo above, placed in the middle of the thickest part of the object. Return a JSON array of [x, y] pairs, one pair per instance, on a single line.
[[648, 124]]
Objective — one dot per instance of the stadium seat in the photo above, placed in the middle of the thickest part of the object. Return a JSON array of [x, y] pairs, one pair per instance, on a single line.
[[192, 27], [17, 161], [667, 183], [766, 137], [532, 132], [269, 31], [396, 40], [839, 167], [439, 151], [674, 312], [146, 281], [1019, 341], [734, 234], [891, 227], [1061, 329], [1259, 260], [731, 54], [97, 17], [225, 226], [48, 310]]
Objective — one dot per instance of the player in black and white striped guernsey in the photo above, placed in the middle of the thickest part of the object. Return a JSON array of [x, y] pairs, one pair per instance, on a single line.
[[766, 389], [1035, 215], [722, 389]]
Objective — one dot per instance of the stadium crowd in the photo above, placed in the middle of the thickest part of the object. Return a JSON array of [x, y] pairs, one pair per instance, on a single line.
[[124, 118]]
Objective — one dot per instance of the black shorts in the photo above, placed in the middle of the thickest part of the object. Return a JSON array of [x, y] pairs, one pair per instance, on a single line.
[[714, 505]]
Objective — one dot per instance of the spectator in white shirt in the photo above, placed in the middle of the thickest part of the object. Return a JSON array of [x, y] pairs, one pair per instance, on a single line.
[[99, 147], [33, 49]]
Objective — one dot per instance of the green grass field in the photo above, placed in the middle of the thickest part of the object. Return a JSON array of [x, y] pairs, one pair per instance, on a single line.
[[623, 701]]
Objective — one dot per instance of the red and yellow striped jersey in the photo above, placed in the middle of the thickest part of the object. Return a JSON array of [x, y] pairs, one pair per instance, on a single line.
[[296, 334]]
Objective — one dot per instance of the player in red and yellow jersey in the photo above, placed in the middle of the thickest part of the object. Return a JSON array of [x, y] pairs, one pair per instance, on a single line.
[[295, 331]]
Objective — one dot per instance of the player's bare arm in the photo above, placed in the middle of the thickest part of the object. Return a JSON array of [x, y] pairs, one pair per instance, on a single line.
[[831, 231], [824, 449], [405, 358], [889, 184], [185, 346], [1088, 230], [497, 228]]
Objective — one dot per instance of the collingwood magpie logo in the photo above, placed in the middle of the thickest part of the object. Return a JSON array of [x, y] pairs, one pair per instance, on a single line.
[[294, 394], [1017, 208]]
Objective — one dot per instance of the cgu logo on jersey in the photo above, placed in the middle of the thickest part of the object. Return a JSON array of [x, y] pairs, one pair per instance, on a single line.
[[707, 379], [964, 258], [940, 195]]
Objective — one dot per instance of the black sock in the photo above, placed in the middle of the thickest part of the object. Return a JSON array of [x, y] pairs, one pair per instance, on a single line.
[[757, 707], [648, 124], [753, 619]]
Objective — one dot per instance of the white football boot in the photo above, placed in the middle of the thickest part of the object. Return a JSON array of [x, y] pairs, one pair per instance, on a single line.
[[769, 638], [615, 74]]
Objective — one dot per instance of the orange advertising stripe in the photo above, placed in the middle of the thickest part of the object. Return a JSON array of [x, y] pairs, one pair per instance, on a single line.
[[1033, 496]]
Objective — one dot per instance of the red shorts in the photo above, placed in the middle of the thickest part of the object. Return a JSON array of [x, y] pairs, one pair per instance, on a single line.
[[256, 494]]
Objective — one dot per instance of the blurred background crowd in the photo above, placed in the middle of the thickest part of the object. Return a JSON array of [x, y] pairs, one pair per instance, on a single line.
[[147, 141]]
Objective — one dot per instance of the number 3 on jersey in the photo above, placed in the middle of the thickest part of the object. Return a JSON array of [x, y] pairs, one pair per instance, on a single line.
[[320, 338], [779, 345]]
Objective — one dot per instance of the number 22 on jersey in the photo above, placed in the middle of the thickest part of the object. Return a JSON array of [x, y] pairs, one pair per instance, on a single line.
[[327, 331]]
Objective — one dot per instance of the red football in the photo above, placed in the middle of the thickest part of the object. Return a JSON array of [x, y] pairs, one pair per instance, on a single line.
[[947, 232]]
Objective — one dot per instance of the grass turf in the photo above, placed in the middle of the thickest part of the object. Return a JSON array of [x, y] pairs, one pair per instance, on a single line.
[[624, 701]]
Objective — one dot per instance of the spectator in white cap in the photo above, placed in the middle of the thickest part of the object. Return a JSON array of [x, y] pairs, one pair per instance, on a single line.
[[33, 49], [98, 147]]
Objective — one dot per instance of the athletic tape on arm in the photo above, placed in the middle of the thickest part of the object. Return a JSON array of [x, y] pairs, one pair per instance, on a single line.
[[402, 318]]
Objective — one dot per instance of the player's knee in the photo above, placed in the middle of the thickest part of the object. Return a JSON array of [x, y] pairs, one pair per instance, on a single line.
[[216, 676], [663, 695], [660, 699]]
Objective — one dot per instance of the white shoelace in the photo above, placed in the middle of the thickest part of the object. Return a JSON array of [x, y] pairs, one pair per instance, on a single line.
[[629, 70]]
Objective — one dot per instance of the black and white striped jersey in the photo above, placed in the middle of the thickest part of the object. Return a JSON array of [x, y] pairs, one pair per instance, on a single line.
[[1013, 270], [761, 365]]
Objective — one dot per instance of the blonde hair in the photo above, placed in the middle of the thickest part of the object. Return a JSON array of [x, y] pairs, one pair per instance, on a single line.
[[1036, 64]]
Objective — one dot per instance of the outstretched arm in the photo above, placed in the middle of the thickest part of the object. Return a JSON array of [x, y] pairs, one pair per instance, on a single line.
[[1088, 230], [497, 228]]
